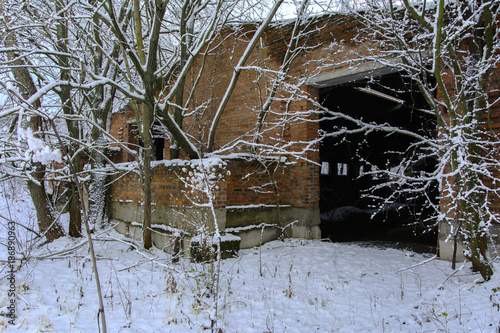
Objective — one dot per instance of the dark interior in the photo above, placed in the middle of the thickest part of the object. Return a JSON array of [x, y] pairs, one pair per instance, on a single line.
[[158, 140], [354, 203]]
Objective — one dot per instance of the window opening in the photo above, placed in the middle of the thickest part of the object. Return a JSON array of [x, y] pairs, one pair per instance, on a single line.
[[342, 169], [158, 134], [325, 168]]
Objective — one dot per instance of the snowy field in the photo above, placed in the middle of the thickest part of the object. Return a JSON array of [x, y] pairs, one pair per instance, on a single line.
[[285, 286]]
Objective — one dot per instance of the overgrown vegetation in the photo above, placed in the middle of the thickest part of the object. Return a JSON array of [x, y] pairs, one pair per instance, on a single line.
[[66, 66]]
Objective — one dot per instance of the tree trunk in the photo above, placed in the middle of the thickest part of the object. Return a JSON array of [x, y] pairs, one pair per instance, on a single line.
[[146, 231], [97, 209], [146, 179], [97, 189], [47, 223], [150, 83], [480, 46], [75, 217], [179, 96]]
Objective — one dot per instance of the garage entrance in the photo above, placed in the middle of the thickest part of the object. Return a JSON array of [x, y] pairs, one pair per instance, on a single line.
[[357, 199]]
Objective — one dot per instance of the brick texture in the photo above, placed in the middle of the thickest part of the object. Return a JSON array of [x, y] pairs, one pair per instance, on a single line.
[[332, 45]]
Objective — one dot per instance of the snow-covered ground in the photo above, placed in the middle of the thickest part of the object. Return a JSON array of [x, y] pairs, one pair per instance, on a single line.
[[285, 286]]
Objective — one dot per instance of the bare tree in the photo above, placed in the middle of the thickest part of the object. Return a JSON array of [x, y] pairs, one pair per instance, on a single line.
[[28, 96], [61, 57], [101, 59], [145, 61]]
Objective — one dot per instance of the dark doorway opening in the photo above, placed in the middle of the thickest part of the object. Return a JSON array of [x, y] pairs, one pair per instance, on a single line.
[[158, 141], [357, 199], [158, 136]]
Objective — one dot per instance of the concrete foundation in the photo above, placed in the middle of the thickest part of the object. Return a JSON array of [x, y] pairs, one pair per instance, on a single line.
[[306, 223], [256, 235], [189, 219], [446, 243], [173, 227]]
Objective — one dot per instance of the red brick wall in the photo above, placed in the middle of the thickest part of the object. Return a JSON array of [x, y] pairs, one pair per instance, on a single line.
[[239, 183], [249, 183], [493, 125], [240, 115], [122, 124]]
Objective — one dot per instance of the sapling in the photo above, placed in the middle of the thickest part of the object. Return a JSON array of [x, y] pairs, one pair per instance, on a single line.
[[202, 180], [289, 291], [101, 313]]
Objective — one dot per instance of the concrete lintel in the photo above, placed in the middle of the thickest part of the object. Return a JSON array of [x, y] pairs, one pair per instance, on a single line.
[[362, 71]]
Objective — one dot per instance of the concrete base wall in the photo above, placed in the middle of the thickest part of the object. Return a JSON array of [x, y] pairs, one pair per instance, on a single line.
[[255, 225], [244, 216], [446, 242], [306, 224], [257, 237], [188, 219], [295, 221], [167, 242], [258, 225]]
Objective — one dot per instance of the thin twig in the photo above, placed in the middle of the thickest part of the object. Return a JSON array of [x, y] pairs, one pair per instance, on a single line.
[[21, 225], [449, 276], [70, 250], [419, 264], [101, 316], [138, 264]]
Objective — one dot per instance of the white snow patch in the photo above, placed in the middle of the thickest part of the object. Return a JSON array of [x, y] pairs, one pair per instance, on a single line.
[[256, 206], [284, 286], [252, 227], [38, 150]]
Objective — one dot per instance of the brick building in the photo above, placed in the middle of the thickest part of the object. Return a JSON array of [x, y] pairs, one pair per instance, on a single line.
[[292, 183]]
